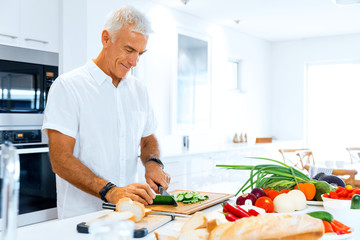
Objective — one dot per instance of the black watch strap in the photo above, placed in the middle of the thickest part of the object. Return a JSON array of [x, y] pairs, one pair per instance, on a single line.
[[104, 191], [155, 160]]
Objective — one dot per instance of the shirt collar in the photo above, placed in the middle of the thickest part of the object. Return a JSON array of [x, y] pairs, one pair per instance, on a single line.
[[98, 75]]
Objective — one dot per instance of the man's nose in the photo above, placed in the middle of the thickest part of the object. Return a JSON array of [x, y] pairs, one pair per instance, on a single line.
[[133, 60]]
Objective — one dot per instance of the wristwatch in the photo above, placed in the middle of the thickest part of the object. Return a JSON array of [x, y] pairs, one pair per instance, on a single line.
[[155, 160], [104, 191]]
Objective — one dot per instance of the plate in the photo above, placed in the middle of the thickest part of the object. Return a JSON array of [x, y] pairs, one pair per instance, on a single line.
[[338, 237], [314, 203]]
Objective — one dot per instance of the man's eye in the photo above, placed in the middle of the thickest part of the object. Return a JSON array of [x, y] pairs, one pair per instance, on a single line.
[[129, 50]]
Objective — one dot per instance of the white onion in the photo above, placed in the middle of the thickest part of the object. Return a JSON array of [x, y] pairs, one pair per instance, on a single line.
[[283, 204], [298, 197]]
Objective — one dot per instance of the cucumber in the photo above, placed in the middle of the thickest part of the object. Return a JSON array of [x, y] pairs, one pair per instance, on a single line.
[[180, 198], [188, 196], [326, 216], [355, 202]]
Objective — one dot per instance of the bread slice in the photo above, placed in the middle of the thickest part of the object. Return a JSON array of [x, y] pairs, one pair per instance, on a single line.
[[197, 234], [126, 204], [121, 216], [198, 220], [147, 212], [166, 235], [212, 224]]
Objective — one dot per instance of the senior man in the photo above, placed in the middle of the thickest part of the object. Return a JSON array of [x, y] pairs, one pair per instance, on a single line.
[[96, 118]]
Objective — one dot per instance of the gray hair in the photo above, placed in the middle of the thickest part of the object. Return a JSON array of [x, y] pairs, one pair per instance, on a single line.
[[127, 16]]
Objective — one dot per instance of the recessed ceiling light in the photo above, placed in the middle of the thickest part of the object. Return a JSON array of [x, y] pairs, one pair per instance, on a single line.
[[346, 2], [184, 1]]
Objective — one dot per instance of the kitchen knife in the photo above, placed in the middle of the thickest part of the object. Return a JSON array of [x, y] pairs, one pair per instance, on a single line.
[[173, 215], [164, 198]]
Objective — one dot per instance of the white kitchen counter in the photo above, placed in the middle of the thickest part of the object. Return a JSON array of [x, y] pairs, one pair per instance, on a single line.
[[66, 229]]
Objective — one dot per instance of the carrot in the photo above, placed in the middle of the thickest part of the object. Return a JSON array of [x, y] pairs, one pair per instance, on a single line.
[[308, 189], [327, 226]]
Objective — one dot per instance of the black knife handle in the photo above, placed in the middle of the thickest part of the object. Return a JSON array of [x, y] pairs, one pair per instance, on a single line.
[[110, 206], [138, 233]]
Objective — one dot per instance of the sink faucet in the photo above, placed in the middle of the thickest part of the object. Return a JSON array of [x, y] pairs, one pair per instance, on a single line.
[[10, 190]]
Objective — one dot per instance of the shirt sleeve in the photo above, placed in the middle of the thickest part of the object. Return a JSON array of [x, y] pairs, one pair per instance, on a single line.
[[62, 110], [150, 120]]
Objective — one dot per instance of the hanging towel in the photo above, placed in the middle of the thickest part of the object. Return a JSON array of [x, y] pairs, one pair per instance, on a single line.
[[313, 170]]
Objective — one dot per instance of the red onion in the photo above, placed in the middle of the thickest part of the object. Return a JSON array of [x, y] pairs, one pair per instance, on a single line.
[[241, 199], [258, 192]]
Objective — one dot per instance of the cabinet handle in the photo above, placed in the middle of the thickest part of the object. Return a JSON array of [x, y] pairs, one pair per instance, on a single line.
[[36, 40], [7, 35]]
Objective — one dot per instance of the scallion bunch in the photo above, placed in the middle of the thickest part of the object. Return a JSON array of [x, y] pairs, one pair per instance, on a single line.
[[276, 176]]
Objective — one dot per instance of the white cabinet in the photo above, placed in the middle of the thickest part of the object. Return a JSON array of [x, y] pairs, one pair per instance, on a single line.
[[30, 24], [10, 22]]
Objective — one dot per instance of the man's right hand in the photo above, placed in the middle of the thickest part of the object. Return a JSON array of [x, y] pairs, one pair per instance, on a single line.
[[140, 192]]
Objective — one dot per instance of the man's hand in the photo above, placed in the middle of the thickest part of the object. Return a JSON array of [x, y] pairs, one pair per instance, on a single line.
[[155, 175], [140, 192]]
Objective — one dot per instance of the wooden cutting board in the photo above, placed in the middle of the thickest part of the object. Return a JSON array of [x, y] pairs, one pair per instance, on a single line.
[[214, 198]]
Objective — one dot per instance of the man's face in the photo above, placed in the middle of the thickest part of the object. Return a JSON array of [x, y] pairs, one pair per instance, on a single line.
[[123, 53]]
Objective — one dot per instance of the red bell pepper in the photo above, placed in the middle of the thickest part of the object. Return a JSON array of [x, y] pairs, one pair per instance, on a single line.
[[238, 212], [230, 217], [253, 212], [327, 226]]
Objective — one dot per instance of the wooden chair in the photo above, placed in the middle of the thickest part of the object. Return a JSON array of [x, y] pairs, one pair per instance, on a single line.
[[350, 180], [290, 157], [305, 157], [264, 140], [354, 154]]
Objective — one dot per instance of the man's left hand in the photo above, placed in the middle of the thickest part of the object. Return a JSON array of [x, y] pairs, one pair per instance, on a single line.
[[154, 174]]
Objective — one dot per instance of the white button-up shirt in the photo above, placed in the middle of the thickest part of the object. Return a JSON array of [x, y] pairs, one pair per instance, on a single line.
[[107, 124]]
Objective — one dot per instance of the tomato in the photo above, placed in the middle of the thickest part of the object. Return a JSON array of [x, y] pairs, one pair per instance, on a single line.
[[285, 191], [265, 203], [272, 194]]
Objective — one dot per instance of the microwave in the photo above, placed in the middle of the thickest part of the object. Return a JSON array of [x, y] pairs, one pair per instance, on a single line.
[[25, 79]]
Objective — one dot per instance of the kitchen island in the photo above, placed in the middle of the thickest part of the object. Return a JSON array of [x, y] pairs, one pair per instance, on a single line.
[[66, 228]]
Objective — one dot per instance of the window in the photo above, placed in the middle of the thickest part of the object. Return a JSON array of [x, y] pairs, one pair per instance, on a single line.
[[233, 75], [333, 101], [193, 86]]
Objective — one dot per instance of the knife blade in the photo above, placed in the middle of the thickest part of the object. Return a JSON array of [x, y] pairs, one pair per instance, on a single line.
[[173, 215], [166, 198]]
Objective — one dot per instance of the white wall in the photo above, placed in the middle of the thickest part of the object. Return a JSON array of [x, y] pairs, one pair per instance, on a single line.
[[250, 111], [288, 64]]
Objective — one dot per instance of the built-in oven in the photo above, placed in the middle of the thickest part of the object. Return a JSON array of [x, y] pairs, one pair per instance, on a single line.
[[37, 194], [25, 78]]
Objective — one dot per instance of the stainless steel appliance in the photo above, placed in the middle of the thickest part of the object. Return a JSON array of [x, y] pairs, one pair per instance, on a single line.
[[25, 78]]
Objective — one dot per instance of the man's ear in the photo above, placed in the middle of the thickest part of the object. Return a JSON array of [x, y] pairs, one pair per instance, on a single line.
[[105, 38]]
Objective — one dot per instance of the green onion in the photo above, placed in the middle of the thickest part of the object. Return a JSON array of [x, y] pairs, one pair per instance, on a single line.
[[277, 176]]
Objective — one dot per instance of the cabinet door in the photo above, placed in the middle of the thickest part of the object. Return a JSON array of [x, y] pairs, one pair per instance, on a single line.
[[40, 24], [9, 22]]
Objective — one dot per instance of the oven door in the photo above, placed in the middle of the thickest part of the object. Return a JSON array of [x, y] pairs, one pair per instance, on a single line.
[[37, 195]]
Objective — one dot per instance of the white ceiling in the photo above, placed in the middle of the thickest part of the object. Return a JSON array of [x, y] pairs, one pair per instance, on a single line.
[[276, 20]]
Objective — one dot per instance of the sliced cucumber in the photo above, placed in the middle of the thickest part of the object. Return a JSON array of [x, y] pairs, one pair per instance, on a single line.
[[189, 196]]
